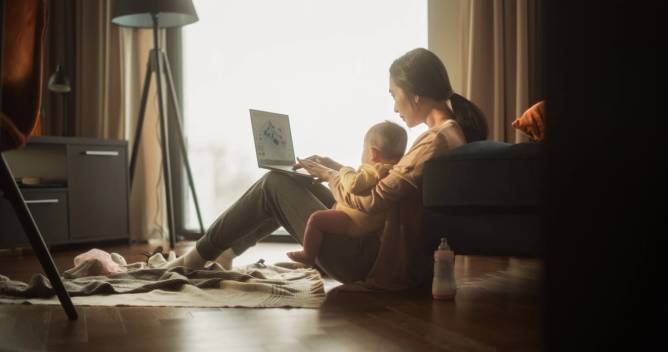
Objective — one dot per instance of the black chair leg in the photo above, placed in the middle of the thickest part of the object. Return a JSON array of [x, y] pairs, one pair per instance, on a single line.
[[12, 193]]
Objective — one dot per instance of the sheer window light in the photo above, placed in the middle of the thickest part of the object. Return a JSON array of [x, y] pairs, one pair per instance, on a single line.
[[323, 63]]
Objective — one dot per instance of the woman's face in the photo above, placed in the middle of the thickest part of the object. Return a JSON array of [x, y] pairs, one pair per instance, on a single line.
[[404, 105]]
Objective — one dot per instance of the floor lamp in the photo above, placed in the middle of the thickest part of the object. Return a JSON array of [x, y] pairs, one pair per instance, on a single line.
[[160, 14]]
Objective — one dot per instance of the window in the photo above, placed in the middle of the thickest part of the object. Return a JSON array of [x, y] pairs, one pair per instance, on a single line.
[[323, 63]]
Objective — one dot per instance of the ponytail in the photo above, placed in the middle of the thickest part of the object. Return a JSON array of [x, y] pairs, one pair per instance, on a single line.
[[469, 116]]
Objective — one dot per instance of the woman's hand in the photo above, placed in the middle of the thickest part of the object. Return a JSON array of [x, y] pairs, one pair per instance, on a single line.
[[320, 171], [322, 160]]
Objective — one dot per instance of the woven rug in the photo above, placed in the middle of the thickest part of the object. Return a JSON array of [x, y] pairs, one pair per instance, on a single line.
[[147, 284]]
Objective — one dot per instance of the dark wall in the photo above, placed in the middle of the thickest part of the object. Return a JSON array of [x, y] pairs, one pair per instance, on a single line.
[[606, 142], [58, 109]]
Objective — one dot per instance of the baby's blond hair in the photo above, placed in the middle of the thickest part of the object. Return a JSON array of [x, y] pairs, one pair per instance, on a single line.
[[389, 138]]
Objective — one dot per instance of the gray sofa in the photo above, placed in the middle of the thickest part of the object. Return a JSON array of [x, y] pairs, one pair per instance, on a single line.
[[487, 198]]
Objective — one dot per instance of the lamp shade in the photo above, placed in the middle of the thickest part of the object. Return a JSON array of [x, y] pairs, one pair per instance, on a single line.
[[139, 13]]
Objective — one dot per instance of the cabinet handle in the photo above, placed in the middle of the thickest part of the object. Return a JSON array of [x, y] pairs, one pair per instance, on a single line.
[[42, 201], [100, 153]]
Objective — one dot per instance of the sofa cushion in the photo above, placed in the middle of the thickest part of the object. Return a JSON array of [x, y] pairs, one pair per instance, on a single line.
[[486, 175]]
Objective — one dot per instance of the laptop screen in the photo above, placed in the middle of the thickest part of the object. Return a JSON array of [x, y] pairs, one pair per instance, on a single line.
[[273, 139]]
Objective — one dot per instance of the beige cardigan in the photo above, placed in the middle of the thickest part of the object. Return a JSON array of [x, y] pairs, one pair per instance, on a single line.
[[402, 260]]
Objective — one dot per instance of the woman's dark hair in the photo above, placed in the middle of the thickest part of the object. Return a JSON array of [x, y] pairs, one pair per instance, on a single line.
[[420, 72]]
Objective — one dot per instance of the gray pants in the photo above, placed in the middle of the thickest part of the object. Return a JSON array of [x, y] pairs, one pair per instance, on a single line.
[[280, 200]]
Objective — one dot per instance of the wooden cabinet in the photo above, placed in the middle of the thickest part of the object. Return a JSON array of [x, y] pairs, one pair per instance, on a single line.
[[98, 190], [76, 188]]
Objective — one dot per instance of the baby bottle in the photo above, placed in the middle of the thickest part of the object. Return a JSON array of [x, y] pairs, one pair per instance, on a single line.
[[444, 287]]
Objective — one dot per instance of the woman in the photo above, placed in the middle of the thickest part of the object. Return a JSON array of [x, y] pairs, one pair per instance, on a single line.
[[400, 257]]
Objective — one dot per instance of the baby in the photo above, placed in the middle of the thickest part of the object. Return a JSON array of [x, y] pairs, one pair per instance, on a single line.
[[384, 145]]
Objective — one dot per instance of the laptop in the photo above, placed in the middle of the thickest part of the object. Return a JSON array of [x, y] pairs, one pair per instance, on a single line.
[[273, 143]]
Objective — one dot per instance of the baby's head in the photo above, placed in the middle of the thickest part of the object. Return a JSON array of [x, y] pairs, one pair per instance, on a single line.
[[384, 142]]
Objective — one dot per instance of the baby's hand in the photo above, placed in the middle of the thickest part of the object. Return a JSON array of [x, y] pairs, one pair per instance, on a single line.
[[321, 172], [313, 158], [322, 160]]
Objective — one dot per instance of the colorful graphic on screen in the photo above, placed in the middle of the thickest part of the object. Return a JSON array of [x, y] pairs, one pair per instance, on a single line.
[[273, 140]]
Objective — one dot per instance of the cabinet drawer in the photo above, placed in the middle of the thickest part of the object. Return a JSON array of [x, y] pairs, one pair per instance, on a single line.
[[98, 185], [48, 208]]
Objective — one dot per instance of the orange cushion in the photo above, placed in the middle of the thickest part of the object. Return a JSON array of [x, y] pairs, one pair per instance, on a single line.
[[532, 122], [22, 72]]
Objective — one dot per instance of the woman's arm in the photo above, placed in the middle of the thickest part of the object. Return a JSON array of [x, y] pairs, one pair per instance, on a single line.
[[381, 197], [385, 193], [404, 177]]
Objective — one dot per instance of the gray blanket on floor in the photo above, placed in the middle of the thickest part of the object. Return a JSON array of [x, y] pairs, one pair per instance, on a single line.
[[262, 285]]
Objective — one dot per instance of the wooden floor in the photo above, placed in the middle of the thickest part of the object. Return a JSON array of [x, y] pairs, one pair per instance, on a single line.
[[497, 308]]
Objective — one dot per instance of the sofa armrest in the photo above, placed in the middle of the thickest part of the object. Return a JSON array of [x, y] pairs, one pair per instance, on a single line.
[[486, 175], [487, 197]]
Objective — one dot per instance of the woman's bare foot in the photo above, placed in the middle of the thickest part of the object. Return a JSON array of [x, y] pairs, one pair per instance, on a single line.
[[301, 257]]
